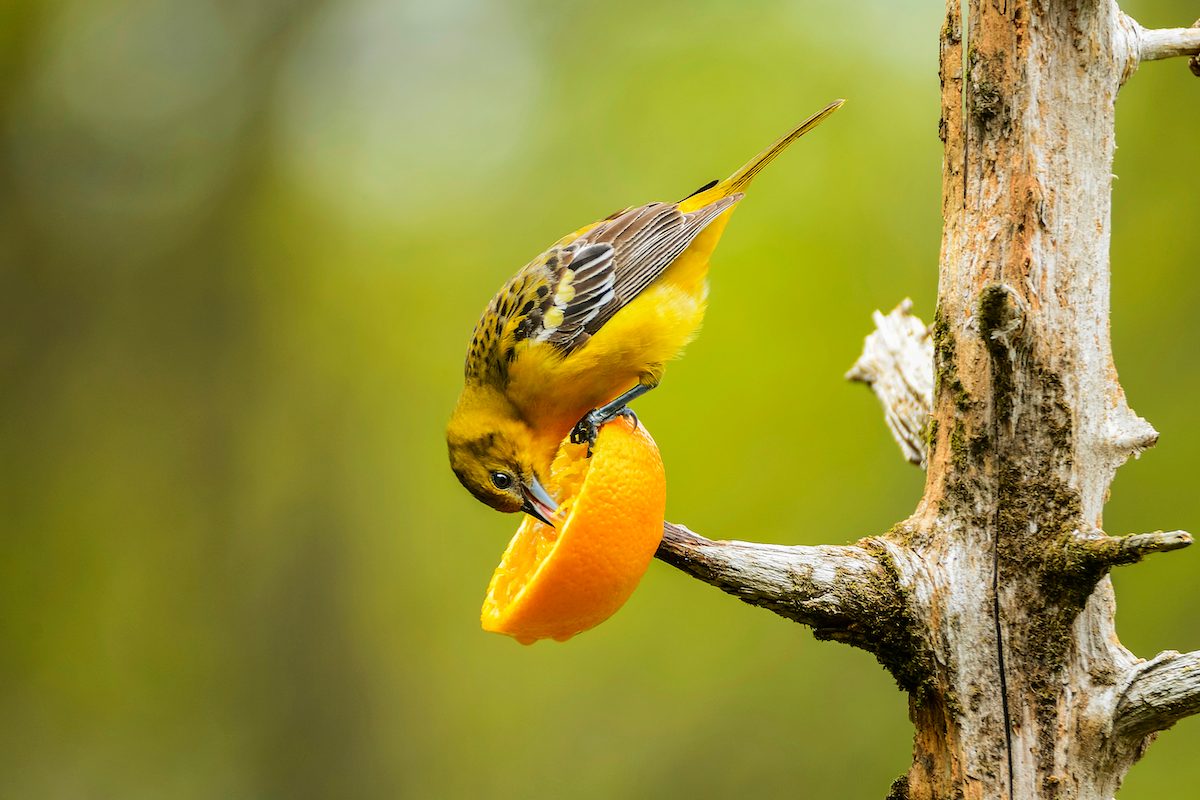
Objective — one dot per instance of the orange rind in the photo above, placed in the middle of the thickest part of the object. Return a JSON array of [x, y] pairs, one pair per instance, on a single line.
[[555, 582]]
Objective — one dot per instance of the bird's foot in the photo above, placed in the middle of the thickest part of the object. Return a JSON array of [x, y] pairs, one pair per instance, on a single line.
[[586, 430]]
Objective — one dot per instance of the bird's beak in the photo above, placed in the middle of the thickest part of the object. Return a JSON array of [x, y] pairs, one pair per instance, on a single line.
[[538, 502]]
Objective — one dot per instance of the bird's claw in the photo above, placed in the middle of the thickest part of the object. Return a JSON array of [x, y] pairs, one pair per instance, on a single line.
[[586, 430]]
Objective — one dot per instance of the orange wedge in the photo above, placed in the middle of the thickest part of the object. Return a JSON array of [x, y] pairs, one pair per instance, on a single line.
[[553, 583]]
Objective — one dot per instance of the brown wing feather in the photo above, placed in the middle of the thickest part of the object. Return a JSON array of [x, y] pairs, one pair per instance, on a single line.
[[645, 242], [569, 292]]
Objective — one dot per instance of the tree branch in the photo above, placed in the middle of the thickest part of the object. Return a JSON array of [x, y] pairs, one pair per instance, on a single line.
[[1162, 691], [897, 363], [1156, 44], [843, 592], [1115, 550]]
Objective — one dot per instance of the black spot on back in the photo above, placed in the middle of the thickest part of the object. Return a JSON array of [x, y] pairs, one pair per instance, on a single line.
[[703, 188]]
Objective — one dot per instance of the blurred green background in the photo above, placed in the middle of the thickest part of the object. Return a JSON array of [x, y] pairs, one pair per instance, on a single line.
[[242, 247]]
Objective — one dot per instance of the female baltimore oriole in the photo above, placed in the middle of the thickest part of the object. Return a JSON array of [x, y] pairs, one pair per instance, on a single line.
[[560, 345]]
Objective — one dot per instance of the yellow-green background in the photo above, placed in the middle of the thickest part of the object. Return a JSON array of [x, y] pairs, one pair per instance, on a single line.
[[242, 246]]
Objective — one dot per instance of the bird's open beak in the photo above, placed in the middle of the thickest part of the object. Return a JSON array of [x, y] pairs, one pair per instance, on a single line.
[[538, 502]]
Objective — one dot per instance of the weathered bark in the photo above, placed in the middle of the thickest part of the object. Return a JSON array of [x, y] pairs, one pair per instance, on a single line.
[[991, 603]]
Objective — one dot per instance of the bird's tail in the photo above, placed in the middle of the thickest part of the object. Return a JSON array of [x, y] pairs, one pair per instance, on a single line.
[[738, 181]]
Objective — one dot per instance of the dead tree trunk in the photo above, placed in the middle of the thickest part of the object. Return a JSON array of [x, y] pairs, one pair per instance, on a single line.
[[991, 604]]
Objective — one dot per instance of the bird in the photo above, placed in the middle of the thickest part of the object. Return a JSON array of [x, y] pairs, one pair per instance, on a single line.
[[582, 330]]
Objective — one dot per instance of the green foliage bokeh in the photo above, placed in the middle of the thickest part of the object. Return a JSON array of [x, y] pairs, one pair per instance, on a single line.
[[242, 247]]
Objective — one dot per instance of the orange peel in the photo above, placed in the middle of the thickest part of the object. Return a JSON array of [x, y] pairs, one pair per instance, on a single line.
[[553, 583]]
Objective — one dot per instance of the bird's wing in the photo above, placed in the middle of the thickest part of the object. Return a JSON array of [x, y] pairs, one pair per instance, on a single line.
[[621, 257], [551, 299], [566, 294]]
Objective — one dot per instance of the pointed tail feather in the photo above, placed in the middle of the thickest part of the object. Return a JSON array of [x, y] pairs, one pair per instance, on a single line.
[[738, 181]]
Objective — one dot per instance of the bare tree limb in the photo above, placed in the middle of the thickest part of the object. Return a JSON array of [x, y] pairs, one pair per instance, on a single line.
[[1114, 550], [897, 363], [817, 585], [1157, 44], [847, 593], [1162, 691]]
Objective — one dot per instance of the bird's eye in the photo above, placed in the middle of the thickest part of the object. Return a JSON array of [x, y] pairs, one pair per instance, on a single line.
[[501, 480]]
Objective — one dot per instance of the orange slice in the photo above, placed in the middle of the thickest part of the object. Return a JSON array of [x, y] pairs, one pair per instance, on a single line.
[[553, 583]]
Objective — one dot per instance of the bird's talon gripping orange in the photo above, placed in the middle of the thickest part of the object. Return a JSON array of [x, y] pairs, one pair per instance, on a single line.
[[555, 582]]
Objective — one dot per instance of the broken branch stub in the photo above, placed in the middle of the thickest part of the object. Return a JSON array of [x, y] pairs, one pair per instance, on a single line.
[[897, 363]]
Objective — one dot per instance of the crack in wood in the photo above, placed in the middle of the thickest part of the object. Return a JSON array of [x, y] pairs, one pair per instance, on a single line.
[[1008, 737], [996, 606]]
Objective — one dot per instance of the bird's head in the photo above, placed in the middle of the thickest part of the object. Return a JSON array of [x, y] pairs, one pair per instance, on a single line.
[[493, 456]]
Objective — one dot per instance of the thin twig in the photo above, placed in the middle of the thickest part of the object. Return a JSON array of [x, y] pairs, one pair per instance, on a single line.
[[1115, 550]]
